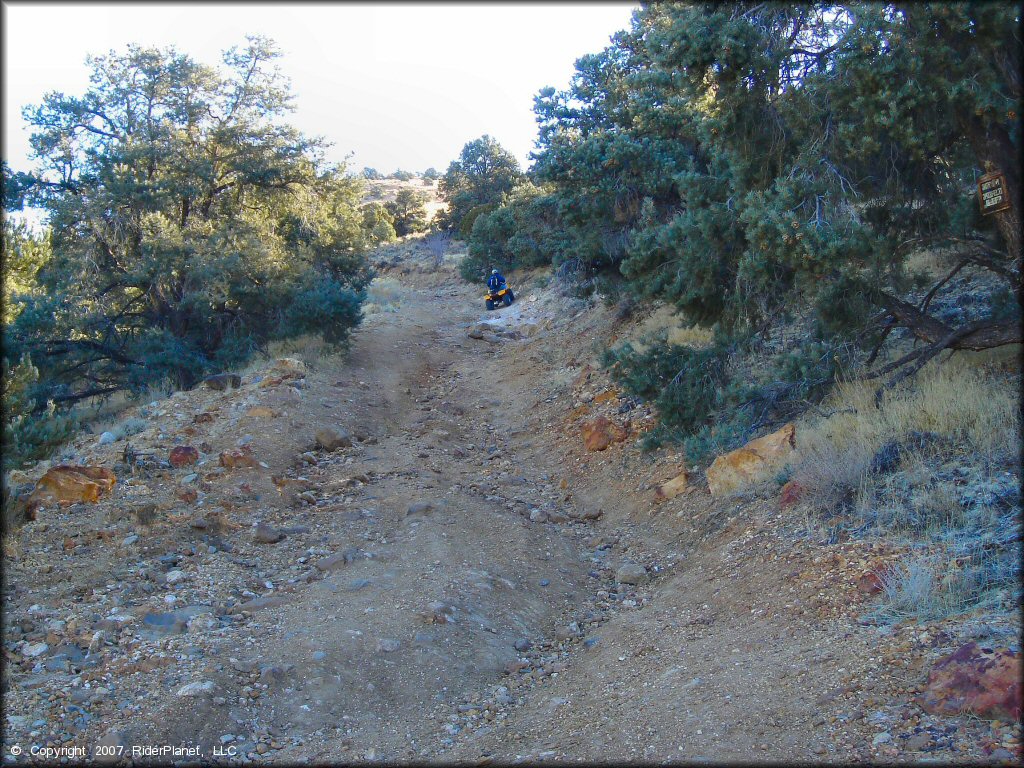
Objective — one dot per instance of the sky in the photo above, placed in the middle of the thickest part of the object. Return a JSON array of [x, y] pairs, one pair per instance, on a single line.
[[396, 85]]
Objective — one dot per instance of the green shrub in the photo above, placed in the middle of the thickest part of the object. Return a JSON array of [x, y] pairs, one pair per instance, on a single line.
[[31, 430]]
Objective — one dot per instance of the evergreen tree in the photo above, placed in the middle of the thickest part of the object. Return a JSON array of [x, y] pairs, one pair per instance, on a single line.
[[482, 174]]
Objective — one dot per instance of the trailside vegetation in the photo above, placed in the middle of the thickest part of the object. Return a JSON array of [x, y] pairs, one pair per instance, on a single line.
[[189, 225], [751, 163]]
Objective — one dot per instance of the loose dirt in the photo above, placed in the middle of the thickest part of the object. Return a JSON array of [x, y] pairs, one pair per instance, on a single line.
[[447, 590]]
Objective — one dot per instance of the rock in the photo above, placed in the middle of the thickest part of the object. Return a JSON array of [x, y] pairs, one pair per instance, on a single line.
[[791, 493], [601, 433], [222, 381], [259, 603], [264, 534], [983, 681], [337, 560], [204, 688], [238, 457], [420, 508], [522, 644], [882, 738], [870, 583], [183, 456], [438, 613], [332, 439], [261, 412], [65, 484], [631, 573], [290, 365], [678, 484], [107, 438], [918, 742], [173, 577], [188, 495], [754, 461], [33, 650], [388, 645]]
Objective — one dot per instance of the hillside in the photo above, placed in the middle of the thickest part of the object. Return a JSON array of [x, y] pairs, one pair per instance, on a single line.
[[408, 552]]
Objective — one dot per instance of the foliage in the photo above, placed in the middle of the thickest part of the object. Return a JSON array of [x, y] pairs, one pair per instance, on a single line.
[[401, 175], [482, 174], [431, 174], [31, 429], [25, 254], [190, 225], [740, 161], [372, 174], [379, 224], [408, 211]]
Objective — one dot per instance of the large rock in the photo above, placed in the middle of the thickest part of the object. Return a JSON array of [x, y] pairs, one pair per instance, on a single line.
[[983, 681], [753, 462], [65, 484], [290, 365], [264, 534], [600, 433], [183, 456], [678, 484], [332, 439]]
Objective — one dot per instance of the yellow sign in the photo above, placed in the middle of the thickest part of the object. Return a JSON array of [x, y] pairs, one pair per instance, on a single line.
[[992, 193]]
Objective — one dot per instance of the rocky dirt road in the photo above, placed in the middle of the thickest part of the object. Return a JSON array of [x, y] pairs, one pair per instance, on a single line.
[[456, 581]]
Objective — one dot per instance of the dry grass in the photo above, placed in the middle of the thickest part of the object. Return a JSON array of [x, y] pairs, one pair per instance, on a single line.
[[960, 401], [383, 295], [692, 336]]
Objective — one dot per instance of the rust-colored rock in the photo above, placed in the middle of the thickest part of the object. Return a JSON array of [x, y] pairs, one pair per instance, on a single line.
[[188, 495], [582, 410], [66, 484], [870, 583], [606, 396], [678, 484], [751, 463], [203, 418], [600, 433], [262, 412], [980, 680], [183, 456], [791, 493], [290, 365], [238, 457]]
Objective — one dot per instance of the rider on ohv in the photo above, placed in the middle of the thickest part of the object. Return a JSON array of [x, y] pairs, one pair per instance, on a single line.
[[495, 282]]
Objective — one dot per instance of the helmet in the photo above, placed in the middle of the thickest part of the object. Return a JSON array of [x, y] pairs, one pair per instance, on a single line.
[[494, 271]]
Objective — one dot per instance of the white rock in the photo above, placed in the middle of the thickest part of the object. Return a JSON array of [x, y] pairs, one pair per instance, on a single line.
[[35, 649], [107, 437], [204, 688], [173, 577]]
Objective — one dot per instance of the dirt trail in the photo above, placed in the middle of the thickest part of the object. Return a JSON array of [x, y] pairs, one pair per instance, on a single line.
[[451, 595]]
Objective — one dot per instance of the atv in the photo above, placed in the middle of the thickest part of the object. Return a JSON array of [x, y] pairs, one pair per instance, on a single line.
[[503, 295]]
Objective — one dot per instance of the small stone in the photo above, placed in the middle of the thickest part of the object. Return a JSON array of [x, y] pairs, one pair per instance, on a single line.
[[183, 456], [222, 381], [319, 655], [173, 577], [107, 438], [34, 650], [332, 439], [420, 508], [631, 573], [130, 539], [919, 742], [264, 534], [387, 645], [522, 644], [882, 738], [204, 688]]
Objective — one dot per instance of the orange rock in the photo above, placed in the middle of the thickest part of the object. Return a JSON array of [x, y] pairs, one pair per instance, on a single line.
[[753, 462], [791, 493], [982, 680], [600, 433], [183, 456], [66, 484], [271, 381], [262, 412], [604, 397], [238, 457], [678, 484], [869, 583]]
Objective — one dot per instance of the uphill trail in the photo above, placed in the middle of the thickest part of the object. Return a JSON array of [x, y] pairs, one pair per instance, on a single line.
[[470, 609], [459, 581]]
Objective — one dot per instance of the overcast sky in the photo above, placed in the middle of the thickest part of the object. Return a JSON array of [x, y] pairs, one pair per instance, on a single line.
[[400, 85]]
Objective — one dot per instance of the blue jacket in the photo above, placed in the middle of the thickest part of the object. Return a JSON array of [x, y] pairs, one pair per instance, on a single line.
[[494, 282]]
